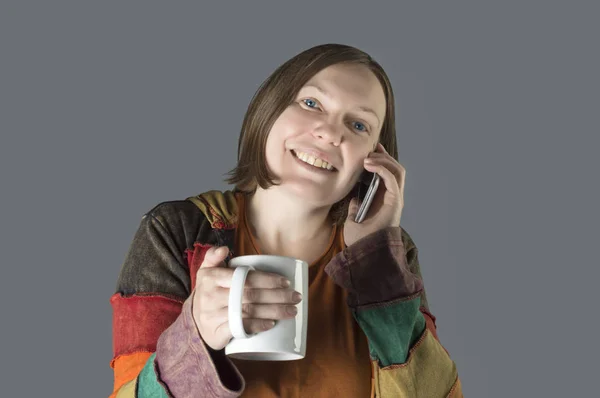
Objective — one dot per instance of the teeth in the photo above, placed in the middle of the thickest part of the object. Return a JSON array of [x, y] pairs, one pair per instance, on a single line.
[[313, 161]]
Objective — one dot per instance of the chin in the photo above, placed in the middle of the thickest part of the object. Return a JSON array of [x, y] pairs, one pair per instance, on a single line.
[[313, 195]]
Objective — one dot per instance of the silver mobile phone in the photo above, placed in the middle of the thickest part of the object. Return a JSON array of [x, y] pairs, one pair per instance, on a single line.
[[366, 202]]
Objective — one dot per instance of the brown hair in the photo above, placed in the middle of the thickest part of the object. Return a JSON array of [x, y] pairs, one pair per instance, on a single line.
[[277, 92]]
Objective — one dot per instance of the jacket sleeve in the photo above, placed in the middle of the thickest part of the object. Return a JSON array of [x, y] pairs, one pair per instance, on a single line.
[[386, 295], [157, 348]]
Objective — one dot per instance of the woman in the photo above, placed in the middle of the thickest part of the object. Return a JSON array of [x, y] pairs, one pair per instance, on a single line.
[[318, 122]]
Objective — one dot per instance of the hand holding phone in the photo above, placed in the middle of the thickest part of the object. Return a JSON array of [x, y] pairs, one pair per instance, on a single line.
[[381, 206], [368, 198]]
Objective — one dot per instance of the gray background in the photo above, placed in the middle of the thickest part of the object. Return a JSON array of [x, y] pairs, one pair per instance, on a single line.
[[108, 109]]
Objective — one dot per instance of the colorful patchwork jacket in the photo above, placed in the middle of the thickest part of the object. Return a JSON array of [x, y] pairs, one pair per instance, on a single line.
[[158, 351]]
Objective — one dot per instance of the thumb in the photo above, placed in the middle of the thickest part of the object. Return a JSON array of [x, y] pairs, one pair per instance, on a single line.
[[215, 256], [352, 209]]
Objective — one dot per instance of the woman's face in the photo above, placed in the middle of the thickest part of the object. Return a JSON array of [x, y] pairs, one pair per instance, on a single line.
[[336, 117]]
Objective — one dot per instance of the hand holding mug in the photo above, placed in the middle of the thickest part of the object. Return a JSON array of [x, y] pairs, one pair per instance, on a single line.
[[266, 298]]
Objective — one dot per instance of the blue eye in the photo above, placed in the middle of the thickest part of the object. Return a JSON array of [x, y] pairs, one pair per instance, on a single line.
[[306, 102], [360, 124]]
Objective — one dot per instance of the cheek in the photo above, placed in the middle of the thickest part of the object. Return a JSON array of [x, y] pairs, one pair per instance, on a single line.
[[281, 130], [296, 121], [357, 172], [358, 153], [355, 160]]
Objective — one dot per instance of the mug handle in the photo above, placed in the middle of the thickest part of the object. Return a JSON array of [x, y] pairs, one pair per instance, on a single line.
[[236, 293]]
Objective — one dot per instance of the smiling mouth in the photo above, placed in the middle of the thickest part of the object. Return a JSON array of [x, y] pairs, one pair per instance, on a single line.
[[313, 161]]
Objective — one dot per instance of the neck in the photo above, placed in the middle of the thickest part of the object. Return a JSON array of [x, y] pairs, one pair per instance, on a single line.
[[277, 219]]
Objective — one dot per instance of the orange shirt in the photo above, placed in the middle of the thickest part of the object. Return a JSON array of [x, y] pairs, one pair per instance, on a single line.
[[337, 362]]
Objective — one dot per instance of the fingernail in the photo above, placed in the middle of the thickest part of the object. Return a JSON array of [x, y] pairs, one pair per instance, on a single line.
[[269, 324], [291, 310], [297, 297], [368, 160], [285, 282]]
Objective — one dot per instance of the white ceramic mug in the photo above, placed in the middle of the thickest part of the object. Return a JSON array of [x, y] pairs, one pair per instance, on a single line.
[[287, 339]]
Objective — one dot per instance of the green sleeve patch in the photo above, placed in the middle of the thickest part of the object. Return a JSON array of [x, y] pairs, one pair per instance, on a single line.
[[148, 385], [392, 330]]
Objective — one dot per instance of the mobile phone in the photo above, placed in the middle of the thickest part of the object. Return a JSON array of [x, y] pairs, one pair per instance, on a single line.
[[367, 198]]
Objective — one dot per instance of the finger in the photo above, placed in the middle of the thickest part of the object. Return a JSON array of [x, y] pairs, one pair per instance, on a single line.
[[271, 296], [221, 276], [215, 257], [252, 311], [218, 298], [381, 149], [266, 280], [390, 163], [269, 311], [251, 326], [352, 209], [389, 179]]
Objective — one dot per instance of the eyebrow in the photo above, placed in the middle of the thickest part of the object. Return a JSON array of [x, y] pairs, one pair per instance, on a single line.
[[362, 108]]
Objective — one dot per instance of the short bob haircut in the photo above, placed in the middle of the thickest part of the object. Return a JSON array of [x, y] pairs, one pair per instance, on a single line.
[[279, 91]]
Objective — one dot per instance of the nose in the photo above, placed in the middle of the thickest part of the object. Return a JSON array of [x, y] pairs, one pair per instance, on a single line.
[[331, 133]]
